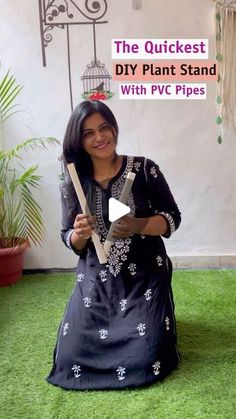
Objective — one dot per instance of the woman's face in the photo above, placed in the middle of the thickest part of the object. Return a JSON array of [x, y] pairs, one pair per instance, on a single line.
[[98, 137]]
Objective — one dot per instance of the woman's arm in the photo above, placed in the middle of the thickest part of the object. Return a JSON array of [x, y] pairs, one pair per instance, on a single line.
[[76, 228], [129, 225], [83, 227], [161, 198], [167, 215]]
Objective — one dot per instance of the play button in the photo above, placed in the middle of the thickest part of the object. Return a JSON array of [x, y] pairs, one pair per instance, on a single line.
[[116, 209]]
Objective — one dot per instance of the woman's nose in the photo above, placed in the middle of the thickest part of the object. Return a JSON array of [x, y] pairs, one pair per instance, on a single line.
[[98, 134]]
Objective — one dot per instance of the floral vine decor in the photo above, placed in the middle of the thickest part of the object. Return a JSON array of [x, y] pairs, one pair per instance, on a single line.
[[226, 57], [97, 94]]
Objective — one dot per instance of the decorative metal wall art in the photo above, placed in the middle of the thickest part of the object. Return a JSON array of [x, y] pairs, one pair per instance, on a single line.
[[64, 13]]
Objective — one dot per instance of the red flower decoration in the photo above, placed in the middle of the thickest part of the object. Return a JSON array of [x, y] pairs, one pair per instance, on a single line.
[[97, 95]]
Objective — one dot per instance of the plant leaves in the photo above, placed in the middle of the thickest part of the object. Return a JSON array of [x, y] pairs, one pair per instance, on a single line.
[[20, 213]]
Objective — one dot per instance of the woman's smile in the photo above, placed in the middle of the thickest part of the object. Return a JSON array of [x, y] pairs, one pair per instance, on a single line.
[[102, 145]]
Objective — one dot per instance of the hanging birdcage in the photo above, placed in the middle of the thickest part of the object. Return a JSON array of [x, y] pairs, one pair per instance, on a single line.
[[96, 82]]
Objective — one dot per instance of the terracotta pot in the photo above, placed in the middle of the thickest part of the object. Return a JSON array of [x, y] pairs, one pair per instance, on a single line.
[[11, 263]]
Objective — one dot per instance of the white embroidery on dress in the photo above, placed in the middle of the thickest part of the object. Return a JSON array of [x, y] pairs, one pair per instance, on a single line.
[[149, 203], [148, 294], [65, 329], [76, 369], [170, 221], [123, 257], [103, 333], [115, 193], [117, 255], [132, 268], [119, 183], [120, 248], [143, 236], [68, 236], [119, 244], [64, 193], [87, 301], [141, 329], [167, 322], [80, 277], [100, 224], [137, 165], [121, 373], [103, 275], [153, 171], [123, 304], [156, 367], [114, 266], [159, 260]]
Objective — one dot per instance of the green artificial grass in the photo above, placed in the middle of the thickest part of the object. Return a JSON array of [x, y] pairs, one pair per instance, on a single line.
[[202, 387]]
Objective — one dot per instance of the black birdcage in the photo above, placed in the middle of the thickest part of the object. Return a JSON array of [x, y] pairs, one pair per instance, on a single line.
[[96, 82]]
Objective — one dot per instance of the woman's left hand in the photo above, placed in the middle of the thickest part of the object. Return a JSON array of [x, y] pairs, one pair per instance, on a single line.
[[127, 226]]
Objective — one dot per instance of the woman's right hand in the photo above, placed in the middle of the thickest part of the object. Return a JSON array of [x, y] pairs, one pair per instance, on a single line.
[[84, 226]]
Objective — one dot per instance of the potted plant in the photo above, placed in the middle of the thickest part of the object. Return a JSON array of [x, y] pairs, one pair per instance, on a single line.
[[21, 221]]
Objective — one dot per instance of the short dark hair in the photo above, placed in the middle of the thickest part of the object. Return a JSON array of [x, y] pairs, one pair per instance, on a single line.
[[73, 151]]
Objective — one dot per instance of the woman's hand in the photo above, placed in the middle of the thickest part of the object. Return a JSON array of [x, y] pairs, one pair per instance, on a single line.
[[127, 226], [83, 226]]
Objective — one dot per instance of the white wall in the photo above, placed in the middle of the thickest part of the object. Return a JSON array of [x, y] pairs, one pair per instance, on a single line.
[[179, 135]]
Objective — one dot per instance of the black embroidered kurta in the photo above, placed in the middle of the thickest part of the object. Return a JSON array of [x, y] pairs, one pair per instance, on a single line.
[[118, 328]]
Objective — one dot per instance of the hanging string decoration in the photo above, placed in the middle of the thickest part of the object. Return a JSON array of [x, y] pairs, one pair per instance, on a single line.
[[96, 79], [225, 23]]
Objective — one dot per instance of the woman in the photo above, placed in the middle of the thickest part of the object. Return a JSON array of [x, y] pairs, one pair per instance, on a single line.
[[118, 329]]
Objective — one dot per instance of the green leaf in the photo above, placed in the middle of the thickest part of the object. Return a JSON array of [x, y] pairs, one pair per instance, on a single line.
[[7, 79], [8, 97], [32, 144], [9, 90], [6, 84], [219, 57], [9, 112]]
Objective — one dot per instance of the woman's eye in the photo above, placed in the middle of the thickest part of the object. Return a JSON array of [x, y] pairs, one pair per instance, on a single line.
[[105, 128], [88, 134]]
